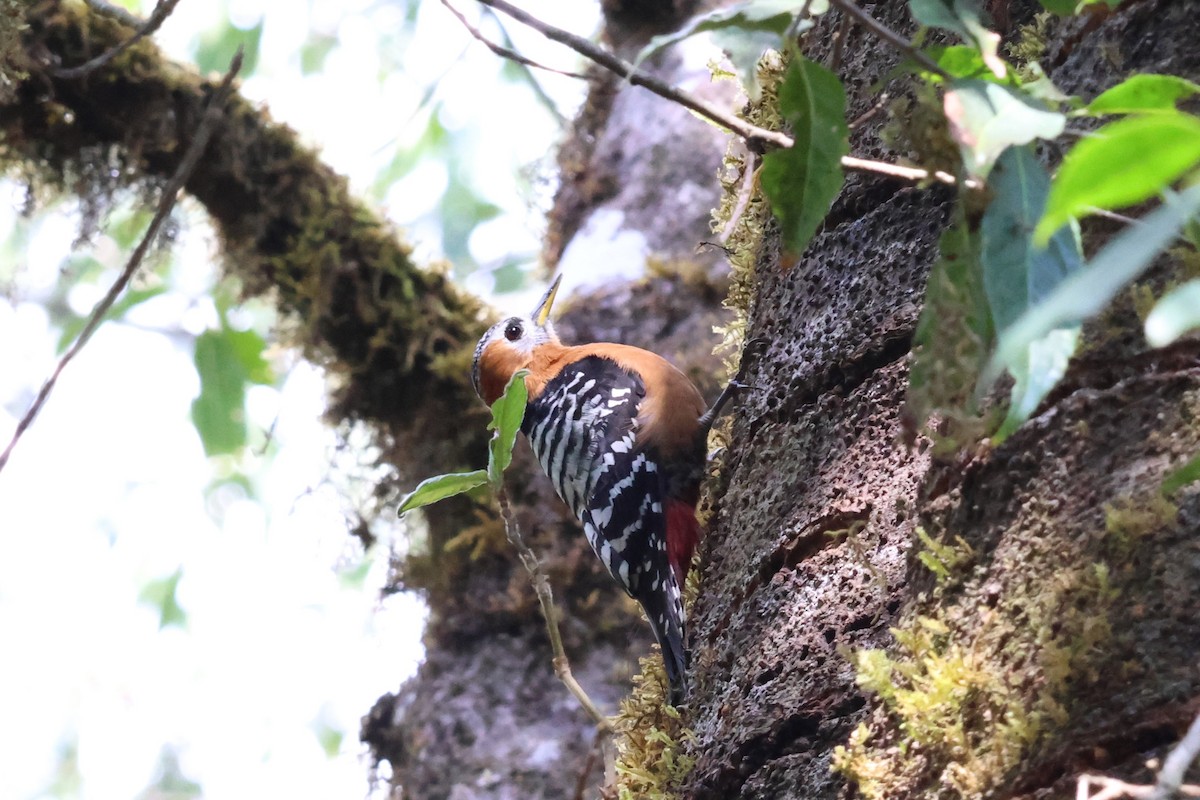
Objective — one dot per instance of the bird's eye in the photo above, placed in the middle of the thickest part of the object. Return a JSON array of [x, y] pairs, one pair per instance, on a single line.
[[513, 331]]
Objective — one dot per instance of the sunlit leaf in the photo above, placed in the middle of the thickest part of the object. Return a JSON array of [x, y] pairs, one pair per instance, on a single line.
[[1087, 291], [219, 412], [431, 490], [248, 348], [160, 594], [1017, 275], [1177, 313], [508, 413], [986, 118], [962, 17], [959, 61], [1123, 163], [802, 181], [1143, 94], [1064, 8]]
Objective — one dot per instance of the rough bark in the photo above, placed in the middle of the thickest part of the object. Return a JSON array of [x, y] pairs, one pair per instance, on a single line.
[[1075, 586], [1074, 595]]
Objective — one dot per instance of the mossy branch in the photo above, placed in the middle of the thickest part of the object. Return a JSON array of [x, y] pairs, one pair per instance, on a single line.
[[287, 222]]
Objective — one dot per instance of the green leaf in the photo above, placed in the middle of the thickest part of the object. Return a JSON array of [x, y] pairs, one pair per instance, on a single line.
[[1087, 291], [431, 490], [1064, 8], [1036, 371], [1018, 275], [118, 310], [248, 348], [1143, 94], [962, 17], [160, 594], [219, 412], [1125, 162], [960, 61], [1177, 479], [508, 412], [1174, 315], [986, 118], [802, 181]]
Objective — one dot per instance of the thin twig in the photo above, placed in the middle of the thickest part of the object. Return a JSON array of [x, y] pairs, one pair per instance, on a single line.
[[1115, 789], [505, 52], [541, 585], [890, 36], [758, 138], [870, 113], [157, 17], [1170, 777], [1114, 216], [907, 173], [204, 131]]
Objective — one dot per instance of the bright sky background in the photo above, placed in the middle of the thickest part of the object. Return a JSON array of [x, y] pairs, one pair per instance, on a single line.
[[286, 643]]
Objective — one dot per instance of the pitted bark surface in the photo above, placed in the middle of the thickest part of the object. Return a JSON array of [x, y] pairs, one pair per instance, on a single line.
[[814, 452]]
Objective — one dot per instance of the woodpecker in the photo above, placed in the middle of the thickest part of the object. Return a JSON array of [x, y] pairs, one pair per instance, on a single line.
[[622, 435]]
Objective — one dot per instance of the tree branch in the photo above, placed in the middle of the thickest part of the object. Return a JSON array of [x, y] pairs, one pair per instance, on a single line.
[[157, 18], [758, 138], [208, 123], [890, 36], [506, 52]]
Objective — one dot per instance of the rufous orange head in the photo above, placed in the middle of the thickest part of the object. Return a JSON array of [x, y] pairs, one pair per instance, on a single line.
[[509, 346]]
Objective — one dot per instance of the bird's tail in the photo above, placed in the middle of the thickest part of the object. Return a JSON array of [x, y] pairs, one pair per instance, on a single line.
[[664, 609]]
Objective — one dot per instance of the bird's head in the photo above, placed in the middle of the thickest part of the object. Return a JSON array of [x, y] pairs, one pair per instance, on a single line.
[[509, 346]]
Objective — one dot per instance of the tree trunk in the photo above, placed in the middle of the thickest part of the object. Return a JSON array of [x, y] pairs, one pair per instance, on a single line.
[[989, 623], [1057, 631]]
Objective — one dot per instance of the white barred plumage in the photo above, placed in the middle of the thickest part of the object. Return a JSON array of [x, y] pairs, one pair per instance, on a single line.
[[621, 433]]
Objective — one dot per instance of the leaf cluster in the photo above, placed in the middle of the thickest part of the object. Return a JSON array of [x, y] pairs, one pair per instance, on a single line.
[[1012, 287]]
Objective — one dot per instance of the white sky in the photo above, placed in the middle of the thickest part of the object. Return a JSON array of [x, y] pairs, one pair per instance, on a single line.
[[107, 490]]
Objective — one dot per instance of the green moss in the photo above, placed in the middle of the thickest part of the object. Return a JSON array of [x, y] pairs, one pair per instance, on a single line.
[[1128, 520], [972, 687], [1030, 45], [916, 128], [651, 739]]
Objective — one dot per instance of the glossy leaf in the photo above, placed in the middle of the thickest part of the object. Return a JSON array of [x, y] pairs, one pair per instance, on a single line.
[[1177, 313], [1125, 162], [1017, 275], [431, 490], [1087, 291], [1144, 94], [987, 118], [508, 412], [962, 17], [802, 181]]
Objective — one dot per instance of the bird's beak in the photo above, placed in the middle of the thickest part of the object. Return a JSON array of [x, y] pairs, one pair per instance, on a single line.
[[541, 314]]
